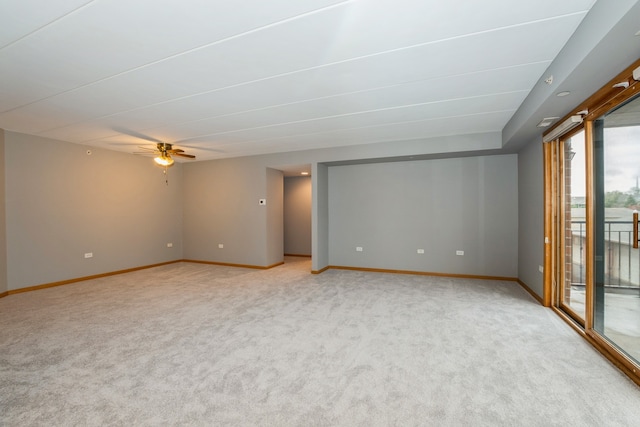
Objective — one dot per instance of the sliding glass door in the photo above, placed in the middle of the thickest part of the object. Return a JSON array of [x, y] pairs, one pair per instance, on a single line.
[[616, 142], [592, 198], [572, 230]]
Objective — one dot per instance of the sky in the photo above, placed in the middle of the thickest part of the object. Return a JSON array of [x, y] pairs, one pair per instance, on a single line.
[[622, 160]]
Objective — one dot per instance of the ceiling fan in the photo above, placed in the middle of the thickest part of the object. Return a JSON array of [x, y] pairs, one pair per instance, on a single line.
[[163, 152]]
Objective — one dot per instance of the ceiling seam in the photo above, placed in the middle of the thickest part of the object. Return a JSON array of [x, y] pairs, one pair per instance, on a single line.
[[46, 25], [510, 110], [316, 67], [184, 52], [299, 101]]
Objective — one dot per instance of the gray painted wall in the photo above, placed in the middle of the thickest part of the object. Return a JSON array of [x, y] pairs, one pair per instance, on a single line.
[[275, 223], [3, 226], [297, 215], [62, 203], [531, 215], [441, 206], [319, 217], [221, 207]]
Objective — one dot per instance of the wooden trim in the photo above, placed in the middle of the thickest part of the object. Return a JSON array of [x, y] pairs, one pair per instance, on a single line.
[[227, 264], [548, 224], [627, 368], [635, 229], [298, 255], [569, 311], [616, 357], [421, 273], [82, 279], [4, 294], [533, 294], [590, 227], [605, 96], [616, 99], [322, 270]]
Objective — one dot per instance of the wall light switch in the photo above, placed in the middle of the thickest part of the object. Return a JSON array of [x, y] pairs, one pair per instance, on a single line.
[[358, 248], [88, 255], [420, 251], [460, 253], [169, 245], [220, 246]]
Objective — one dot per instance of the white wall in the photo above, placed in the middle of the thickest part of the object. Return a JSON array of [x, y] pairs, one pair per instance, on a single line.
[[297, 215], [531, 215], [62, 203], [441, 206]]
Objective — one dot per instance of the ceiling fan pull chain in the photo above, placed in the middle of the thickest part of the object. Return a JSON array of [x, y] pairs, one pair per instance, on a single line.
[[166, 175]]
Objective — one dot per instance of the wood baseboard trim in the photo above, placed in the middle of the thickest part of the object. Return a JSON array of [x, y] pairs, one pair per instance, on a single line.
[[322, 270], [298, 255], [4, 294], [533, 294], [227, 264], [421, 273], [82, 279]]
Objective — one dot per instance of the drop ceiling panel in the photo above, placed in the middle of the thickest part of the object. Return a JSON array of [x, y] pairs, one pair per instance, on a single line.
[[438, 92], [284, 100], [418, 21], [458, 108], [252, 75], [159, 84], [19, 18], [421, 130], [100, 41]]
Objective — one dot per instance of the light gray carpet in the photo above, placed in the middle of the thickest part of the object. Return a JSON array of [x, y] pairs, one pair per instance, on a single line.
[[192, 344]]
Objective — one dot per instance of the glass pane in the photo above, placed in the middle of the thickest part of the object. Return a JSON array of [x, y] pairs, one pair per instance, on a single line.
[[572, 290], [617, 262]]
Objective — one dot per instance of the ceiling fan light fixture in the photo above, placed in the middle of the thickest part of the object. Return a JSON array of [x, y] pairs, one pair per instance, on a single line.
[[164, 160]]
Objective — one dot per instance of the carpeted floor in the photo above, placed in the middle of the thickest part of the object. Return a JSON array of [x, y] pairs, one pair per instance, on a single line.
[[193, 344]]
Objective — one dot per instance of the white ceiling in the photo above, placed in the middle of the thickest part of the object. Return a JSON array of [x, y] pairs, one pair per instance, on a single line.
[[242, 77]]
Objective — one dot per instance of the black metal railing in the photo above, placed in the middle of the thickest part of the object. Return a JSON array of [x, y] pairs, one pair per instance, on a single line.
[[621, 260]]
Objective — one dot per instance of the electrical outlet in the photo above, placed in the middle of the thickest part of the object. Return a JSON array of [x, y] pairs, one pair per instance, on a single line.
[[541, 269], [358, 248], [220, 246], [88, 255], [460, 253], [169, 245], [420, 251]]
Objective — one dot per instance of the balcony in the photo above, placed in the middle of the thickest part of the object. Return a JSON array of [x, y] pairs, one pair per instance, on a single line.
[[621, 283]]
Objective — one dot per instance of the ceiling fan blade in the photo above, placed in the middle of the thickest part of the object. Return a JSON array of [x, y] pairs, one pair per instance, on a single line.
[[175, 150], [135, 134], [196, 147], [147, 148], [190, 156]]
